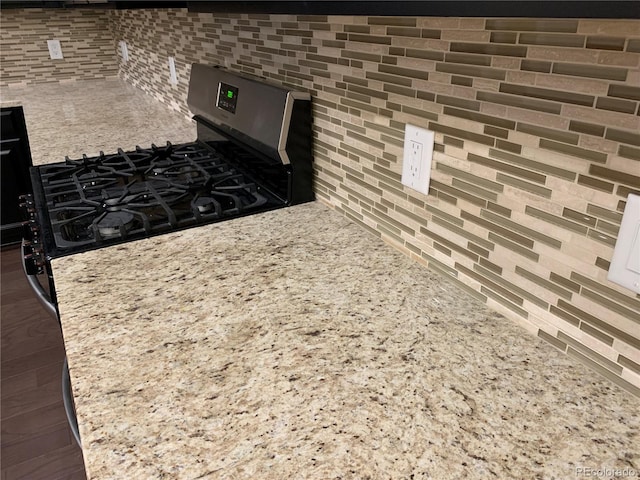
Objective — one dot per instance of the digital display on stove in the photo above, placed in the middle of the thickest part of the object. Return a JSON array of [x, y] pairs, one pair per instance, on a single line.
[[227, 97]]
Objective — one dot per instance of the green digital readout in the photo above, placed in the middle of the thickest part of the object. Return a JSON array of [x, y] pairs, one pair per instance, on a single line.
[[227, 97]]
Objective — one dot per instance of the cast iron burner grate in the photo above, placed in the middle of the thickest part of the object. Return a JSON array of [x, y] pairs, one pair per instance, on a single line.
[[128, 195]]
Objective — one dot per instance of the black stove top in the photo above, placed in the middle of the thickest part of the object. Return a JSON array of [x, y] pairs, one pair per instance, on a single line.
[[109, 199]]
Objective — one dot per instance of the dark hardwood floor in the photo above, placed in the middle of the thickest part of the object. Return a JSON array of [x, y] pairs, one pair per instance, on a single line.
[[36, 442]]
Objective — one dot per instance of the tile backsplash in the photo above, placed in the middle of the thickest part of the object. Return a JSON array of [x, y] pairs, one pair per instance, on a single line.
[[84, 36], [537, 146]]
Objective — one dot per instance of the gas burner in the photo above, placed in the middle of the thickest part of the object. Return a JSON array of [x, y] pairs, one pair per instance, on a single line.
[[160, 167], [114, 224], [205, 204]]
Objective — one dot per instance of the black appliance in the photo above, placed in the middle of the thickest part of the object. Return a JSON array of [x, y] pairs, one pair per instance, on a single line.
[[253, 153]]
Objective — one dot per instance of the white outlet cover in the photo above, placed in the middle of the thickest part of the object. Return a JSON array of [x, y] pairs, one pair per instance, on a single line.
[[124, 51], [55, 49], [173, 77], [417, 176], [625, 263]]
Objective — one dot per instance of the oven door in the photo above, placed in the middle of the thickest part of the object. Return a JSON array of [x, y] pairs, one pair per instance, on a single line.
[[31, 271]]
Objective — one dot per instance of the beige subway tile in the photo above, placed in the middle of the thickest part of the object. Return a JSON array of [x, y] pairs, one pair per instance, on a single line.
[[561, 54], [621, 59], [538, 117]]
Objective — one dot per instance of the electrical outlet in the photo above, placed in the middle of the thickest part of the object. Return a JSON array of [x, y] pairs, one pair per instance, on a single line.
[[418, 153], [173, 76], [124, 51], [624, 268], [55, 50]]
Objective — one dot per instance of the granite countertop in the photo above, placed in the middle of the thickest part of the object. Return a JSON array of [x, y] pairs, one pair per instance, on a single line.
[[293, 344], [87, 116]]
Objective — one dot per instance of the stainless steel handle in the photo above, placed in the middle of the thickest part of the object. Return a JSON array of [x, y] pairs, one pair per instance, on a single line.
[[67, 399], [40, 292]]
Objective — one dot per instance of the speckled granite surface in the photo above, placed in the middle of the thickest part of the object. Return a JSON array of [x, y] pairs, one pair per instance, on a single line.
[[292, 344], [87, 116]]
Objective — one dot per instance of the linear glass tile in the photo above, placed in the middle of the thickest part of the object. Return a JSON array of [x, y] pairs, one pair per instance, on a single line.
[[490, 266], [633, 45], [419, 112], [370, 57], [629, 152], [457, 193], [616, 105], [544, 283], [399, 21], [496, 132], [590, 71], [579, 217], [430, 33], [601, 237], [489, 49], [404, 32], [552, 340], [423, 95], [585, 355], [455, 172], [623, 136], [505, 292], [458, 102], [464, 81], [547, 94], [445, 216], [605, 43], [535, 66], [609, 292], [522, 185], [357, 28], [480, 117], [463, 233], [506, 167], [449, 244], [355, 37], [595, 183], [494, 207], [509, 146], [625, 191], [460, 133], [383, 128], [574, 151], [383, 77], [532, 25], [407, 92], [440, 267], [614, 175], [553, 134], [470, 59], [624, 91], [503, 37], [479, 250], [529, 232], [559, 40], [510, 287], [471, 70], [588, 128], [474, 189], [447, 140], [594, 332], [567, 317], [404, 72], [492, 227], [554, 219], [514, 247], [520, 102], [425, 54], [416, 218], [628, 363], [504, 302], [602, 263], [611, 305], [604, 213]]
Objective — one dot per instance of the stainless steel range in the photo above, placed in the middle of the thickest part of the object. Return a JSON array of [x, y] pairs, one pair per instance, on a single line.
[[253, 154]]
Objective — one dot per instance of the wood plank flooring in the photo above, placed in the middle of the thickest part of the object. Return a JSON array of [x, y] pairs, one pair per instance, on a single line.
[[36, 442]]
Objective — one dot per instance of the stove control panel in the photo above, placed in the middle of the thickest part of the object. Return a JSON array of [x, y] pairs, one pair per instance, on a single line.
[[227, 97]]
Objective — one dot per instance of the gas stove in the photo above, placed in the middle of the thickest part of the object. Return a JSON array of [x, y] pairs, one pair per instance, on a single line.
[[252, 154]]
